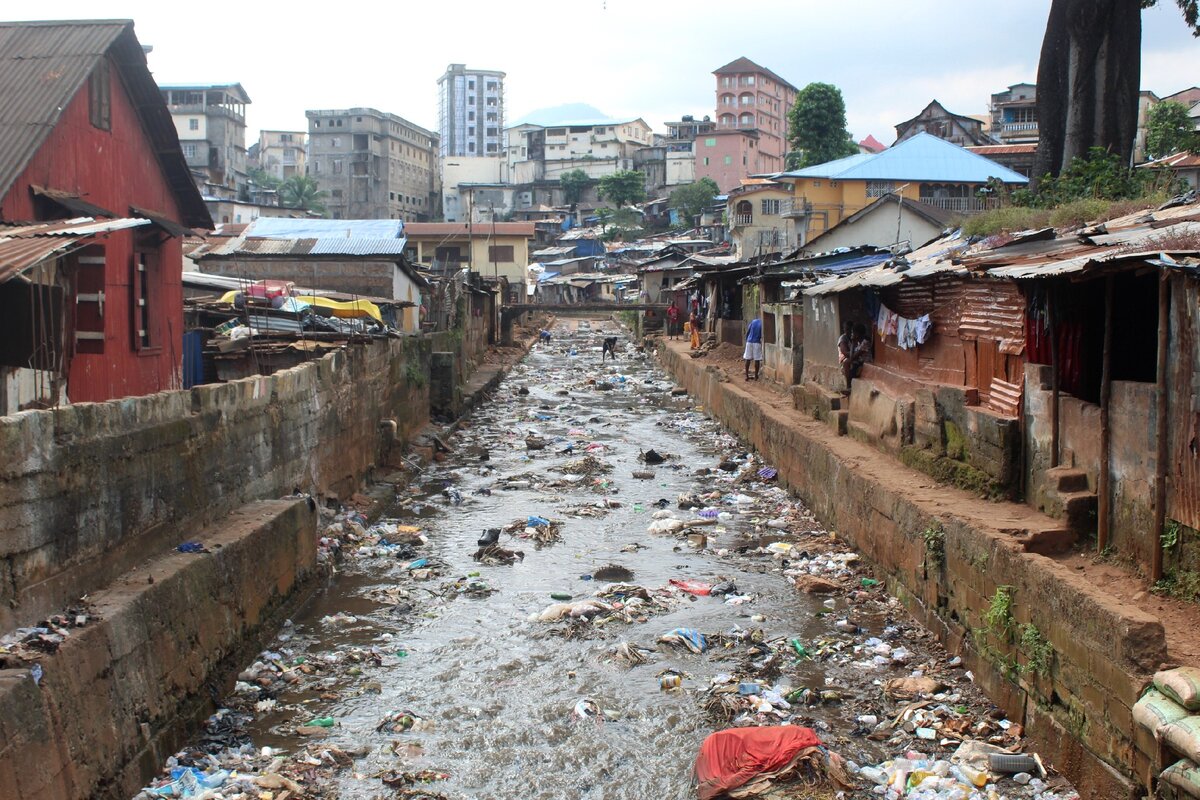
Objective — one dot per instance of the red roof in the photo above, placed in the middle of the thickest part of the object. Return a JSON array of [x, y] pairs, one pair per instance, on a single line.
[[460, 229], [743, 64], [872, 144], [1003, 149]]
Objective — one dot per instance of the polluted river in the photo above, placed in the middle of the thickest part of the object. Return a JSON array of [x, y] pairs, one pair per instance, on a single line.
[[643, 582]]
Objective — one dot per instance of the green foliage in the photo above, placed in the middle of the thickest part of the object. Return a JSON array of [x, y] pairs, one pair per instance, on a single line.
[[1039, 652], [415, 376], [1170, 534], [1182, 585], [263, 179], [1190, 9], [301, 191], [935, 546], [574, 184], [1098, 175], [817, 127], [999, 616], [623, 188], [692, 199], [1169, 130]]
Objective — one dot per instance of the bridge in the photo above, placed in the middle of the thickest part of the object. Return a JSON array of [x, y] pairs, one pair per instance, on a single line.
[[510, 313]]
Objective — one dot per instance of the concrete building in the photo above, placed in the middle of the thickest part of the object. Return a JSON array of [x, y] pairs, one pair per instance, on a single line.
[[462, 175], [471, 112], [750, 97], [373, 165], [281, 154], [242, 212], [211, 123], [729, 156], [540, 152], [499, 249], [756, 224], [1014, 115]]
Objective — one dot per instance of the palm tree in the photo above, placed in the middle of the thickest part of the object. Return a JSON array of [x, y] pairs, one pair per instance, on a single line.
[[301, 191]]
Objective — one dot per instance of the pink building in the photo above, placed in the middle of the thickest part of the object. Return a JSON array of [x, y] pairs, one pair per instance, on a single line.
[[753, 98], [728, 156]]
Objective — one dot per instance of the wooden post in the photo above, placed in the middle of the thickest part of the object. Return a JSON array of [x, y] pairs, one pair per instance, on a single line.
[[1104, 510], [1160, 427], [1051, 324]]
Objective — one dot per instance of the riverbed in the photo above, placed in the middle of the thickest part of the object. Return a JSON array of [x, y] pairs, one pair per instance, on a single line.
[[419, 660]]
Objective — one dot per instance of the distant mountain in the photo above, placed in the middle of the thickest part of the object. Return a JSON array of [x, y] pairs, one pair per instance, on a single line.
[[567, 112]]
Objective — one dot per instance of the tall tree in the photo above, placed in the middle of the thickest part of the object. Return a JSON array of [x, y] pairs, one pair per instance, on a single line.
[[1169, 130], [817, 126], [1089, 76], [692, 199], [623, 188], [574, 184], [301, 191]]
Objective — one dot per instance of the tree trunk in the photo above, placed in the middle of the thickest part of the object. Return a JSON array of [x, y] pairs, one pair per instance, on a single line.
[[1088, 81]]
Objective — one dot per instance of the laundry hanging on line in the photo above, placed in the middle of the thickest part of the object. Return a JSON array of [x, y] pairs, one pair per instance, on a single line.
[[908, 332]]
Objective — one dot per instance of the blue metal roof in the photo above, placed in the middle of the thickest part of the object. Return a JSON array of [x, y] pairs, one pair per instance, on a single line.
[[285, 228], [922, 158]]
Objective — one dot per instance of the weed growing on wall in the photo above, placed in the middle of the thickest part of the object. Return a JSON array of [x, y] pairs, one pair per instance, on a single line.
[[935, 546], [999, 615], [1038, 650]]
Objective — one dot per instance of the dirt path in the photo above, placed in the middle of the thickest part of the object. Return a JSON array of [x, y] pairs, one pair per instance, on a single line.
[[1125, 587]]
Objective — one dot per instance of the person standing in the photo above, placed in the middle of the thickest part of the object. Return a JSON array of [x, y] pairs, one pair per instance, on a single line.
[[694, 330], [754, 348], [845, 349], [672, 320]]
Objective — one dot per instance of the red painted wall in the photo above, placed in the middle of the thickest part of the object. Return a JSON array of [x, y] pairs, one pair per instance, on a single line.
[[114, 169]]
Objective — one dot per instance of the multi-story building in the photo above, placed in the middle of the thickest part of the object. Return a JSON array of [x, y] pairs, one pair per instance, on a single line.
[[471, 112], [1014, 115], [538, 152], [753, 98], [281, 153], [373, 165], [211, 123], [937, 121]]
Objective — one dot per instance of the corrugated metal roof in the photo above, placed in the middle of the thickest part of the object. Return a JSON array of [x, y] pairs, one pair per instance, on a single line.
[[25, 246], [358, 246], [288, 228], [552, 251], [921, 158], [43, 65], [324, 246]]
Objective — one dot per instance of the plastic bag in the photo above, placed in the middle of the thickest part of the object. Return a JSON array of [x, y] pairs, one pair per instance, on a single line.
[[1155, 709], [1182, 685]]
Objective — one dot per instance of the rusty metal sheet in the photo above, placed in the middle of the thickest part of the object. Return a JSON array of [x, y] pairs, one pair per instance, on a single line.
[[1183, 498], [994, 310]]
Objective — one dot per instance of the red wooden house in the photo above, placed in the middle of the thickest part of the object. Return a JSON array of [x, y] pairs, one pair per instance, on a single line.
[[95, 196]]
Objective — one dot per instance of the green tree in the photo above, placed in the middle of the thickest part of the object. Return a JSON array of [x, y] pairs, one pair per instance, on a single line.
[[263, 179], [1096, 106], [817, 127], [1169, 130], [623, 188], [692, 199], [574, 184], [301, 191]]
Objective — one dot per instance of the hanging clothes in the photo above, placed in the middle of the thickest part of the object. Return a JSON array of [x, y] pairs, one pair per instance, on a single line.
[[908, 332]]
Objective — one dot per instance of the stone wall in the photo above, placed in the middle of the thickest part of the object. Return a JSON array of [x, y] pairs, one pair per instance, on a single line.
[[91, 489], [947, 555]]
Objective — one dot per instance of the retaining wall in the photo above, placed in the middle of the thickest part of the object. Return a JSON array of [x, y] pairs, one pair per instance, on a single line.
[[91, 489], [946, 554]]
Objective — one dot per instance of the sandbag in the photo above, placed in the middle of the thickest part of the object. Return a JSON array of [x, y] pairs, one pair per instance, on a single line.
[[732, 757], [1155, 709], [1183, 736], [1184, 776], [1182, 685]]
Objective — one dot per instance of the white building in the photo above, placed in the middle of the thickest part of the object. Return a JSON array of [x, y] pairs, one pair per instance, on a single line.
[[471, 112], [544, 153]]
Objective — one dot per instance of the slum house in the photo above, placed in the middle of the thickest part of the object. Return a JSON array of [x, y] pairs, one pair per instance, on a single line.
[[893, 221], [94, 194], [358, 267], [498, 251], [582, 287], [1111, 373], [771, 292], [719, 279]]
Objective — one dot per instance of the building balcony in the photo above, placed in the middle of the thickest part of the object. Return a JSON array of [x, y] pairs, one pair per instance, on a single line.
[[1018, 127], [740, 220], [794, 207], [962, 205]]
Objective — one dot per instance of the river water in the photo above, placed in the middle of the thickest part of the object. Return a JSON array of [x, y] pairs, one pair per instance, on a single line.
[[495, 693]]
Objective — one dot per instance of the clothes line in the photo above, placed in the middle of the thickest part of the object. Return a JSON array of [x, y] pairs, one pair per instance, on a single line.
[[908, 332]]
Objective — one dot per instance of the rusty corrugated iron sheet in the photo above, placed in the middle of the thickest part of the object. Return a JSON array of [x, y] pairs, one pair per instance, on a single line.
[[993, 310], [1183, 498], [25, 246]]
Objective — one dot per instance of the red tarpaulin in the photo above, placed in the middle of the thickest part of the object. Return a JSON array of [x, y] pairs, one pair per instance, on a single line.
[[732, 757]]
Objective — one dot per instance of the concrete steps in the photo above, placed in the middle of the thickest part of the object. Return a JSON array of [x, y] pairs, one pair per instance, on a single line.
[[1068, 498]]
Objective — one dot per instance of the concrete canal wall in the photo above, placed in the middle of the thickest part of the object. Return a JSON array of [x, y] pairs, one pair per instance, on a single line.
[[1066, 661]]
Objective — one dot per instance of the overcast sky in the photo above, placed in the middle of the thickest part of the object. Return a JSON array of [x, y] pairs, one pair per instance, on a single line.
[[628, 58]]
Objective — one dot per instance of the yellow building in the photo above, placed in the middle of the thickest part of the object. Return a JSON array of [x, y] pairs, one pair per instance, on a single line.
[[924, 169], [492, 249], [756, 223]]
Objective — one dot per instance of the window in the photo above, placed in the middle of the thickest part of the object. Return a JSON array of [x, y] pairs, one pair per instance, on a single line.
[[470, 116], [471, 85], [316, 167], [360, 192], [491, 87], [189, 151], [491, 131], [337, 166], [770, 207], [316, 123], [498, 253], [706, 161], [728, 160], [746, 121], [336, 194], [879, 188], [816, 184], [89, 300], [471, 131], [335, 141], [444, 255], [193, 124], [391, 195], [100, 97], [141, 284], [710, 142], [471, 147]]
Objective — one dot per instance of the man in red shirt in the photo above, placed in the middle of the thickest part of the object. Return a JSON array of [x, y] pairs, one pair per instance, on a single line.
[[672, 320]]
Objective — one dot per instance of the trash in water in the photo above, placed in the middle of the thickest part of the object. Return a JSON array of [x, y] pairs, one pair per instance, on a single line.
[[692, 587], [686, 637]]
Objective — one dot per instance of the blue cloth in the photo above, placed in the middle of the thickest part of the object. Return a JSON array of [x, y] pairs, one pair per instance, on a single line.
[[754, 332]]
